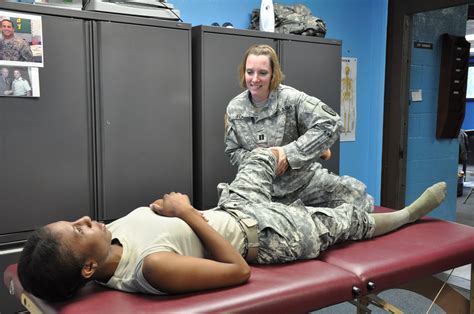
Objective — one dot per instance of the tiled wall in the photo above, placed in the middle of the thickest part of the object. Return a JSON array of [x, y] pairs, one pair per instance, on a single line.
[[430, 160]]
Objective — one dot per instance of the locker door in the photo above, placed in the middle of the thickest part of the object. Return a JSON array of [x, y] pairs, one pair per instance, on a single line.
[[220, 56], [315, 68], [143, 97], [46, 170]]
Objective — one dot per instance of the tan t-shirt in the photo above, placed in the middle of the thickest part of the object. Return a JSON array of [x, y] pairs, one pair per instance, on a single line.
[[142, 232]]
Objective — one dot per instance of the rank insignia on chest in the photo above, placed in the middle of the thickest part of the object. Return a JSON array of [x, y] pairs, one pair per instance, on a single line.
[[261, 138]]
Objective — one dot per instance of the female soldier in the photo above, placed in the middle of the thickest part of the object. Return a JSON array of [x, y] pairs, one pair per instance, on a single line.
[[300, 127]]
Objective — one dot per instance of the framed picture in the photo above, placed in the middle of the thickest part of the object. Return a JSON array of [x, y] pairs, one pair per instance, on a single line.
[[19, 81], [21, 40]]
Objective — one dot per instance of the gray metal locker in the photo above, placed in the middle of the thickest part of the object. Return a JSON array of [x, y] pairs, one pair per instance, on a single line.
[[143, 99], [314, 67], [217, 53], [46, 152], [111, 130]]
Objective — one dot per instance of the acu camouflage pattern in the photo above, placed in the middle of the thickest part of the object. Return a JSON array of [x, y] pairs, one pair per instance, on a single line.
[[288, 232], [293, 19], [305, 127], [16, 49]]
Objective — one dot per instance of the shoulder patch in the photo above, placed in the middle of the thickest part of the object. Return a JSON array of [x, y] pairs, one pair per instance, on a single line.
[[328, 110]]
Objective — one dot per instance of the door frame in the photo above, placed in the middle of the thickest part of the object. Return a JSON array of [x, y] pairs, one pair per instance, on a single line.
[[397, 82]]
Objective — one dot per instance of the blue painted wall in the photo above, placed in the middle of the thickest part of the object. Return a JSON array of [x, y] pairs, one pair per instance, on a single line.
[[468, 123], [430, 160], [362, 26]]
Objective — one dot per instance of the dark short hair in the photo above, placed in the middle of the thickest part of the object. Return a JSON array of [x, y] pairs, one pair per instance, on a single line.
[[48, 268], [7, 21], [263, 50]]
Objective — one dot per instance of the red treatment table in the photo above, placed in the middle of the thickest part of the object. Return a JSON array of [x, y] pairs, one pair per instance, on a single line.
[[355, 271]]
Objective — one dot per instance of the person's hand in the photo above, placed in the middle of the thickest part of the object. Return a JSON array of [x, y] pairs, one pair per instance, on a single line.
[[282, 162], [174, 205], [158, 203], [326, 155]]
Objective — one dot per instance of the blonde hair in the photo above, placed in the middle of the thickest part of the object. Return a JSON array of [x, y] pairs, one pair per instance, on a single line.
[[263, 50]]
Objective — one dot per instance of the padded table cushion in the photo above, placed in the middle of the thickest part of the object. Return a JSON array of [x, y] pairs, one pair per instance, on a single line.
[[414, 251], [424, 248], [297, 288]]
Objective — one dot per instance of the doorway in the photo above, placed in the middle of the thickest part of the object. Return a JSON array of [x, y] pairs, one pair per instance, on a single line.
[[430, 158], [397, 103]]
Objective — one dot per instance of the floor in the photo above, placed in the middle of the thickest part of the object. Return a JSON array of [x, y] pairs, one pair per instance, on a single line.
[[461, 277]]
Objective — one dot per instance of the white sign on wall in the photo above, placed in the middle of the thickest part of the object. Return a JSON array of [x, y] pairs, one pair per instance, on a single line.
[[348, 98], [470, 83]]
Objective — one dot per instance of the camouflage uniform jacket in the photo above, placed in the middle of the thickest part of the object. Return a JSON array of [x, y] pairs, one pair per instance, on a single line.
[[303, 125], [16, 49]]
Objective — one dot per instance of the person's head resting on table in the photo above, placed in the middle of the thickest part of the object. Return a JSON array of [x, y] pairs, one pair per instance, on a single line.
[[61, 257]]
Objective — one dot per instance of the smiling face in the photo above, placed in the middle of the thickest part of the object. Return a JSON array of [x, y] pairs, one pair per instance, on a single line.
[[7, 29], [258, 75], [84, 237]]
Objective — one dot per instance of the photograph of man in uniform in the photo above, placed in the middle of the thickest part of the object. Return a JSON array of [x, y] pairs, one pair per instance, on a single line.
[[5, 82], [20, 86], [21, 40], [14, 47], [19, 81]]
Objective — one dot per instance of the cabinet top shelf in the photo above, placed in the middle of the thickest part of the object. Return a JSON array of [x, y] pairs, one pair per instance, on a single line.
[[270, 35], [91, 15]]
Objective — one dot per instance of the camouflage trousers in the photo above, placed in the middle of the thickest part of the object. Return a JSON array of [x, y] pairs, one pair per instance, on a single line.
[[289, 232], [325, 189]]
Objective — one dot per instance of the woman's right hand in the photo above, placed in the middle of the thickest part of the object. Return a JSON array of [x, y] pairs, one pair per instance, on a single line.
[[282, 162], [174, 204]]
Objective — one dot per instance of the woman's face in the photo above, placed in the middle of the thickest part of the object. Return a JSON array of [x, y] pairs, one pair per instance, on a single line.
[[85, 237], [258, 75]]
